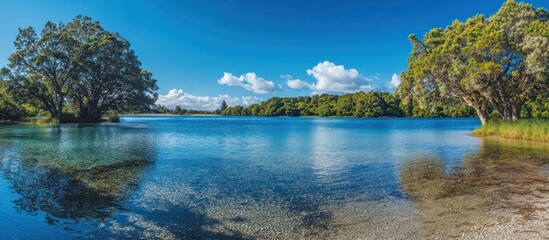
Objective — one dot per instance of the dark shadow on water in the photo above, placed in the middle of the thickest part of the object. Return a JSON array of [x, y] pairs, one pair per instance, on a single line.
[[501, 178], [501, 167], [73, 195], [71, 174]]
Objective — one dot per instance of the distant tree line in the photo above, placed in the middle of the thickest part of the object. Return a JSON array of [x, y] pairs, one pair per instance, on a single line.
[[359, 104], [160, 109]]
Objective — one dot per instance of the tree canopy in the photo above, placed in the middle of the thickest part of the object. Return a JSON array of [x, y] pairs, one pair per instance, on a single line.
[[79, 64], [496, 63]]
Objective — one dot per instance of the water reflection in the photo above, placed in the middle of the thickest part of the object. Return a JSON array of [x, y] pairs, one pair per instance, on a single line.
[[73, 172], [287, 178], [325, 153], [502, 182], [71, 194]]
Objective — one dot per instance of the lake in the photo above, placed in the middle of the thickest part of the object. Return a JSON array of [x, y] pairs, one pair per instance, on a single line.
[[252, 177]]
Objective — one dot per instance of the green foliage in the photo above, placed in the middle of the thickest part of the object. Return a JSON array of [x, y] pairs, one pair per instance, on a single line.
[[112, 116], [159, 109], [9, 108], [178, 110], [525, 129], [78, 65], [223, 105], [537, 108], [436, 109], [39, 70], [497, 63], [359, 104], [106, 64], [234, 111]]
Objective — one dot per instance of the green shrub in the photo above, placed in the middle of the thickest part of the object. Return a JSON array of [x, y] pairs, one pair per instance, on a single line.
[[112, 116], [44, 120]]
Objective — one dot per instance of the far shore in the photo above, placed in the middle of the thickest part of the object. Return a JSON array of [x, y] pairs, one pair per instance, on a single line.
[[308, 116], [165, 115]]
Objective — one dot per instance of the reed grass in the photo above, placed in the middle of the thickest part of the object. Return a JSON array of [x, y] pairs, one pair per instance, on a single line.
[[525, 129]]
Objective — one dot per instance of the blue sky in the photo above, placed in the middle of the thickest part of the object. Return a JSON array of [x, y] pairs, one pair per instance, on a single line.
[[244, 51]]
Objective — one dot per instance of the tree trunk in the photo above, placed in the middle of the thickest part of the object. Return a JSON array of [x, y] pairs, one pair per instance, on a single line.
[[506, 115], [481, 110], [516, 113], [59, 112], [88, 115], [482, 115]]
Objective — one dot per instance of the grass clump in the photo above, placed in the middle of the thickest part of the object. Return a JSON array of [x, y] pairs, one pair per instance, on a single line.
[[111, 116], [44, 120], [525, 129]]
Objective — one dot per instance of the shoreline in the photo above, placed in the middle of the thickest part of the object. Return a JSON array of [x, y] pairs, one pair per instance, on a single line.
[[217, 115], [165, 115]]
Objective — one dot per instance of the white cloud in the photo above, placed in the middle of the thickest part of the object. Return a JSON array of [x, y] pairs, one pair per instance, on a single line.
[[395, 81], [245, 101], [230, 80], [332, 78], [249, 81], [295, 83], [177, 97]]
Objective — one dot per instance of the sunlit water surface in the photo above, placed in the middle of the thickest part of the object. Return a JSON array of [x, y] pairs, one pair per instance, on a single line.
[[240, 177]]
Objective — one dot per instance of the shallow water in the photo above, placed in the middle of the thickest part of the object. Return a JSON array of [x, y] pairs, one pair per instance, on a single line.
[[239, 177]]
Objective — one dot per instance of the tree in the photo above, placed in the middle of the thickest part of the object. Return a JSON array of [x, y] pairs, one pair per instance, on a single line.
[[373, 105], [345, 105], [273, 107], [488, 63], [178, 110], [223, 105], [82, 64]]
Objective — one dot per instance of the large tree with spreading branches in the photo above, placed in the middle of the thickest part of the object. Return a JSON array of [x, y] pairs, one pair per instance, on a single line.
[[79, 64], [495, 62]]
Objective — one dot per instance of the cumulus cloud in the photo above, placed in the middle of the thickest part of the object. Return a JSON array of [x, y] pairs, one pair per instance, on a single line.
[[249, 81], [295, 83], [177, 97], [332, 78], [395, 81]]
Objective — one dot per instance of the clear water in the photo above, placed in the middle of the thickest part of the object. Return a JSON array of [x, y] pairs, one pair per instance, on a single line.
[[217, 177]]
